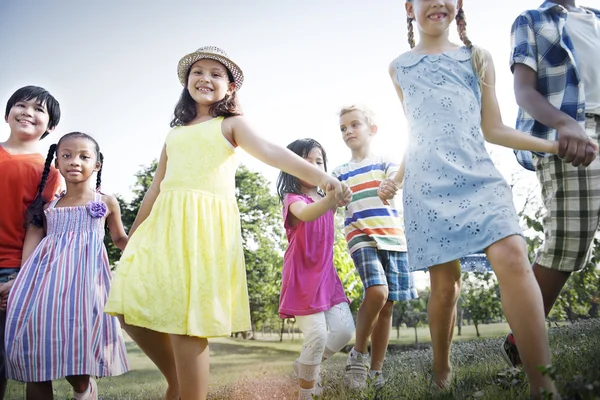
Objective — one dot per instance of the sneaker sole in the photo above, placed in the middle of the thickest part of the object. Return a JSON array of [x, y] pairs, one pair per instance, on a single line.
[[505, 356]]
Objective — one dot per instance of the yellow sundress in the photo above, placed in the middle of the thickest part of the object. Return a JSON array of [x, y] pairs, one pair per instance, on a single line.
[[183, 271]]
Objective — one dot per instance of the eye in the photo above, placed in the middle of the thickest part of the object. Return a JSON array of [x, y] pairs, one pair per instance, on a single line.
[[85, 157], [343, 129], [40, 109], [356, 125], [65, 156], [217, 75]]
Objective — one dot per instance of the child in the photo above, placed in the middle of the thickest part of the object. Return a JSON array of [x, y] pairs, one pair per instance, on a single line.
[[376, 242], [55, 324], [182, 278], [311, 290], [31, 113], [557, 86], [456, 202]]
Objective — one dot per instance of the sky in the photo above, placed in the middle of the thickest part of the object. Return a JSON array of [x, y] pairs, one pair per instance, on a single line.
[[112, 66]]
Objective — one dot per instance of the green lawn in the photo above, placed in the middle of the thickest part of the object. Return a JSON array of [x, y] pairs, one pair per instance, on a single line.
[[261, 369]]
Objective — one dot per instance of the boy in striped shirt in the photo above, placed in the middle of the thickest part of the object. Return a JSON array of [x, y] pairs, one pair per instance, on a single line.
[[377, 245]]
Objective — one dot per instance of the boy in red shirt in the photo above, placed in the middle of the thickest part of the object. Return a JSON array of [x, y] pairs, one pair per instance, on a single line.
[[32, 113]]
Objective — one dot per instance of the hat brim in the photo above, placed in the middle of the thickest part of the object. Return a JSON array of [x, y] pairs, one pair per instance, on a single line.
[[188, 60]]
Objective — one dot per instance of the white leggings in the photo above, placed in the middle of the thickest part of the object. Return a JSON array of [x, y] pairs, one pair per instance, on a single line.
[[317, 341]]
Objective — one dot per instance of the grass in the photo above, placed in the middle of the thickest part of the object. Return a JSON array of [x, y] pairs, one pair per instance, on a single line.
[[261, 369]]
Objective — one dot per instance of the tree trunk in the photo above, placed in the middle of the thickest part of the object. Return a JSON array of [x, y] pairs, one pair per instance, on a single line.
[[253, 331], [459, 320], [398, 331], [477, 329], [416, 336], [281, 330]]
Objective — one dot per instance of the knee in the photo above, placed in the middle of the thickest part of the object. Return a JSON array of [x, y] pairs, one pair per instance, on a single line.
[[377, 294], [387, 311], [446, 292]]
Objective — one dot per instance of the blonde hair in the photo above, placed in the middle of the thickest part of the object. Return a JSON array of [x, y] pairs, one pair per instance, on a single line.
[[364, 111], [478, 59]]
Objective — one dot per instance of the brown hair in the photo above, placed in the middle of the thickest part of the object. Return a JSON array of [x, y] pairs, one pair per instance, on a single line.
[[185, 109], [477, 54]]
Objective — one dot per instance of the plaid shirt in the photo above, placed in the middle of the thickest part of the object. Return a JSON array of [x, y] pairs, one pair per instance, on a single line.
[[539, 40]]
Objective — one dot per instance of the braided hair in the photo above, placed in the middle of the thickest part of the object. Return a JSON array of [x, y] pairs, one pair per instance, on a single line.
[[287, 183], [35, 212]]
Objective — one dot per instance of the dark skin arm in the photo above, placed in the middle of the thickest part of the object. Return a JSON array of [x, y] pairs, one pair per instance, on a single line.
[[574, 146]]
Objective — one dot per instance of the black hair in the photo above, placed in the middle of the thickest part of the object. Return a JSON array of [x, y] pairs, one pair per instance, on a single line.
[[35, 212], [287, 183], [185, 109], [44, 97]]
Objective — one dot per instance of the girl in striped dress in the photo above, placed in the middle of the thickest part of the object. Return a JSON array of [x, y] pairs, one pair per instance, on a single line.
[[55, 323]]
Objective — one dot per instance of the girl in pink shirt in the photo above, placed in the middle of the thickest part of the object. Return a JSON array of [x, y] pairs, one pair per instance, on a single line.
[[311, 290]]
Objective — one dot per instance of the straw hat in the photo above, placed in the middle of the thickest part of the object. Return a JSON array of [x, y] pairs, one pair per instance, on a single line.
[[214, 53]]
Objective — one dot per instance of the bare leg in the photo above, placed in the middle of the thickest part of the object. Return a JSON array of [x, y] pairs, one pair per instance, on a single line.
[[157, 346], [192, 361], [39, 391], [551, 283], [441, 311], [368, 313], [79, 383], [381, 336], [523, 307]]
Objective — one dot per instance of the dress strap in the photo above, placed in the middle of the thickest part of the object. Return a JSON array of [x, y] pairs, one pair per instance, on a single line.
[[97, 196], [57, 198]]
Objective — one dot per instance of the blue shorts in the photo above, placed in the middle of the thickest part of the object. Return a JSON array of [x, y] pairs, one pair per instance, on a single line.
[[383, 267]]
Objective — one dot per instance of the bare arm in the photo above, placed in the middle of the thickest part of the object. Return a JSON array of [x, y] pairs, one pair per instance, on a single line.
[[282, 158], [152, 193], [573, 142], [494, 129], [115, 225], [33, 237], [310, 212]]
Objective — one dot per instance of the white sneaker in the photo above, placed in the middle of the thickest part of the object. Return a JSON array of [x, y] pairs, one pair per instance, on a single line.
[[90, 394], [377, 380], [357, 370]]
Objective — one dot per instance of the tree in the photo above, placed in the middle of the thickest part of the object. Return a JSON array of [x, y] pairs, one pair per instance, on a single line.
[[412, 313], [129, 210], [345, 266], [262, 238], [481, 297]]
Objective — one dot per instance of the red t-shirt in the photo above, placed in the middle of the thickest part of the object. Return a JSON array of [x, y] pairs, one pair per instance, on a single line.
[[20, 175]]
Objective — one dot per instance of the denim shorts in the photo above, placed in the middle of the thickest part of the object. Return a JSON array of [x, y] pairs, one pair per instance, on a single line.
[[383, 267]]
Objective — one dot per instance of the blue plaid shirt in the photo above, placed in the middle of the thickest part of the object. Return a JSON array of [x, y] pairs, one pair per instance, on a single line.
[[540, 41]]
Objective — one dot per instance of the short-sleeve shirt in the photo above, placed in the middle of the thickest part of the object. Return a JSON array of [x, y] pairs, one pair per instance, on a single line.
[[20, 176], [540, 41], [309, 281], [367, 221]]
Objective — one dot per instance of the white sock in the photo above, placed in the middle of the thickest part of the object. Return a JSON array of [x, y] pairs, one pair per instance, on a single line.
[[373, 373], [84, 395], [354, 353], [305, 394]]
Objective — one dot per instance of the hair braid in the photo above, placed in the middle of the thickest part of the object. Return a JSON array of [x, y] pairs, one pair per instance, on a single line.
[[35, 212], [411, 31], [477, 55], [99, 173]]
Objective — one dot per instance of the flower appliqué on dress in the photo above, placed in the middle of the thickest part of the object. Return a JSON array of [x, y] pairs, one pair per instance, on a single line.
[[96, 209]]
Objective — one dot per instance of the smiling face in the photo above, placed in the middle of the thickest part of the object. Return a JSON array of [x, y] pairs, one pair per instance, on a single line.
[[76, 159], [433, 16], [28, 119], [208, 82]]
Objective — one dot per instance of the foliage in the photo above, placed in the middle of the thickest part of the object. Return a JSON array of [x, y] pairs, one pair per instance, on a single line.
[[130, 209], [345, 266], [412, 313], [481, 298]]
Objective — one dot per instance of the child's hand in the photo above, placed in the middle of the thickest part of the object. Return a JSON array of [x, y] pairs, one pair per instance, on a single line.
[[346, 200], [4, 292], [574, 145], [331, 183], [387, 190]]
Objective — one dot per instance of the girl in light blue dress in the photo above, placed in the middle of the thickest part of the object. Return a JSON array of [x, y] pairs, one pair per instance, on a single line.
[[456, 203]]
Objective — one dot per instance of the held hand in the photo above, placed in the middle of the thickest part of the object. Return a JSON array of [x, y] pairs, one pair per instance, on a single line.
[[387, 190], [574, 145], [347, 199], [5, 288], [332, 184]]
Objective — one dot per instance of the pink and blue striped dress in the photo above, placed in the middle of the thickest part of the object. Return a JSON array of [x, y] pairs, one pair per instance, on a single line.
[[55, 322]]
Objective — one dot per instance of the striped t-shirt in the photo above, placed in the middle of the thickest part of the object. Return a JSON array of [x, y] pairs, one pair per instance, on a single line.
[[368, 222]]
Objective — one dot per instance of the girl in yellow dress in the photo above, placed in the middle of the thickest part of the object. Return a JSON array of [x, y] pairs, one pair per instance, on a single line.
[[182, 278]]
